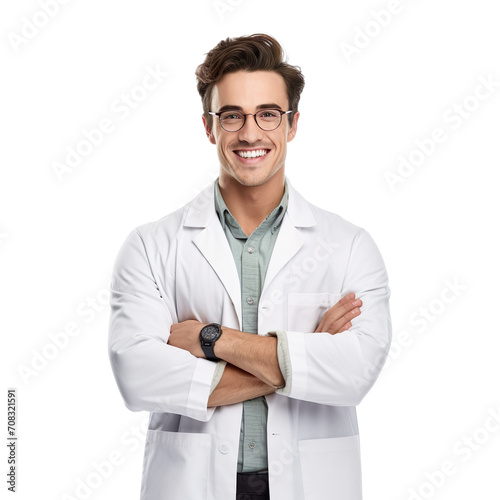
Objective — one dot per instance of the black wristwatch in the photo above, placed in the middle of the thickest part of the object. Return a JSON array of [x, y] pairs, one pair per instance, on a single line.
[[209, 334]]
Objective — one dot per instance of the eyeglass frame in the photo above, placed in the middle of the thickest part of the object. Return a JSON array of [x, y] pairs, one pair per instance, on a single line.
[[280, 111]]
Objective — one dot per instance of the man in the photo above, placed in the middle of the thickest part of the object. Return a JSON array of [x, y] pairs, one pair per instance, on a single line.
[[236, 320]]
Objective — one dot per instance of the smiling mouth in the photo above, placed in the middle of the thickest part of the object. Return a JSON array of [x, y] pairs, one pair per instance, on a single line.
[[253, 153]]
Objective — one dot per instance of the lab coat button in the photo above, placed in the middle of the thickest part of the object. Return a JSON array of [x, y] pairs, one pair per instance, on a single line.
[[224, 448]]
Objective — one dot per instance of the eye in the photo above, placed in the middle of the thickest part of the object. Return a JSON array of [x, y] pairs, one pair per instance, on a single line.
[[269, 114], [231, 115]]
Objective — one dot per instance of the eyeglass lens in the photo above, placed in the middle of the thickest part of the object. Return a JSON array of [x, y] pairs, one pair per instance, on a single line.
[[267, 119]]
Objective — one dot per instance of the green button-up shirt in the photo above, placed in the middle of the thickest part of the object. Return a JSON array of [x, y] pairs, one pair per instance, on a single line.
[[251, 255]]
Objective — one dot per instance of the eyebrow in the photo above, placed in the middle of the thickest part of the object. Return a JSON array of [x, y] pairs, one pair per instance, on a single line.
[[232, 107]]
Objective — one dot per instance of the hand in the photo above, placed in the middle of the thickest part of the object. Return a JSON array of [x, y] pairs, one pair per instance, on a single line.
[[338, 318], [186, 335]]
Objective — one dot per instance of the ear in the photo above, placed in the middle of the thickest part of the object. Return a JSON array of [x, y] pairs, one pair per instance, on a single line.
[[208, 131], [293, 127]]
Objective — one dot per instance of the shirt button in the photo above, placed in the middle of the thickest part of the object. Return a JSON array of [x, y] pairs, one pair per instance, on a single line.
[[251, 445], [250, 249], [224, 448], [250, 300]]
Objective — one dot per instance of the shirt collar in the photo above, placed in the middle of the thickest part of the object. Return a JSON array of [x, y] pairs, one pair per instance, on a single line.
[[227, 218]]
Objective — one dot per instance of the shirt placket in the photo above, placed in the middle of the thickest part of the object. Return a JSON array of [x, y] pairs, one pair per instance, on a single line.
[[252, 453]]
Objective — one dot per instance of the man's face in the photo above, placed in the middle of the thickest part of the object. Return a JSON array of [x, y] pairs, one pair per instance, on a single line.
[[248, 92]]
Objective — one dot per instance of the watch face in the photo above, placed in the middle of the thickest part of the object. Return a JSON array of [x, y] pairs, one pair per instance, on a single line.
[[210, 332]]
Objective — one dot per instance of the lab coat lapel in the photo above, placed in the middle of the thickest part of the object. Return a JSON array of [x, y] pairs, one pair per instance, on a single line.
[[287, 244], [290, 239], [213, 245]]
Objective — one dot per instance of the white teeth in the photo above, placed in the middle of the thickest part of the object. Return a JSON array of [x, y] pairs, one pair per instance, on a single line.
[[252, 154]]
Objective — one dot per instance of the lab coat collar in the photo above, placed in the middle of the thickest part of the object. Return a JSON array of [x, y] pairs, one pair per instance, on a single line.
[[202, 208]]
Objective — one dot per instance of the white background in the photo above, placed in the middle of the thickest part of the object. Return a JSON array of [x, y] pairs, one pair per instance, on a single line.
[[359, 113]]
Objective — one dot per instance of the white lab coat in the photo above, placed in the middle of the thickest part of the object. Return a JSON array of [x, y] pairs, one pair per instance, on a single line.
[[181, 267]]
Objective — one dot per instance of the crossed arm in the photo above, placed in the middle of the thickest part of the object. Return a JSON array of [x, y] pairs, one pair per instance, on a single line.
[[252, 367]]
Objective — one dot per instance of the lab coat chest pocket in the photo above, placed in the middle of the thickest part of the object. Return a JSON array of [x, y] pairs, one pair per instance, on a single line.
[[333, 463], [175, 465], [305, 310]]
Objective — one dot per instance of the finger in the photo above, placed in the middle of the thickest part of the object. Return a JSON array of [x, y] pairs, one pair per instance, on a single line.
[[339, 325], [349, 316], [351, 306], [344, 300], [346, 305], [320, 326], [345, 327], [347, 298], [333, 315], [338, 310]]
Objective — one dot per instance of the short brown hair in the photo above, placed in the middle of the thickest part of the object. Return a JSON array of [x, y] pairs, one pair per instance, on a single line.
[[249, 53]]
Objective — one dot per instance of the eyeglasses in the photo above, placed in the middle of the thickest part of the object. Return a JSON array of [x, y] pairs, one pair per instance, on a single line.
[[266, 119]]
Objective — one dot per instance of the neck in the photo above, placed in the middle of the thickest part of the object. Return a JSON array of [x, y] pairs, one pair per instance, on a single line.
[[250, 205]]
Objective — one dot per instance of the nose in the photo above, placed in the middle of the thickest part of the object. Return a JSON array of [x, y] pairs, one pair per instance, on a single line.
[[250, 132]]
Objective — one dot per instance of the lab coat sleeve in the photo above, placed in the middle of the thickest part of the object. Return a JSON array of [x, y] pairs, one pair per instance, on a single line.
[[340, 369], [151, 375]]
